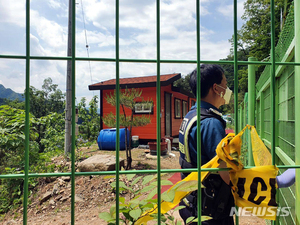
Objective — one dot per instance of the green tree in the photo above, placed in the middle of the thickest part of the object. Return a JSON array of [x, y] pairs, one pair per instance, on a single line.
[[184, 83], [17, 104], [12, 145], [53, 137], [255, 34], [254, 40], [90, 127], [12, 137], [128, 99], [43, 103], [242, 55], [2, 101], [49, 99]]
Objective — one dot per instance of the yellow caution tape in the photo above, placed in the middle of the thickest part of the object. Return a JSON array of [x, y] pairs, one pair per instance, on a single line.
[[251, 188]]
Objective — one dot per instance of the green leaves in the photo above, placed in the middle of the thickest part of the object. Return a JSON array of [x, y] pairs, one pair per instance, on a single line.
[[147, 179], [106, 216], [49, 99], [53, 136], [135, 214], [136, 180], [152, 193], [12, 137], [128, 99], [195, 220], [183, 83], [122, 186], [191, 219], [46, 134], [139, 203], [255, 32], [188, 186], [147, 188], [166, 182], [168, 196], [130, 176], [90, 126]]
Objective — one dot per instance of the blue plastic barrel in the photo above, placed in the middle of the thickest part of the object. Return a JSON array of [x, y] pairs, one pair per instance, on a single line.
[[107, 139]]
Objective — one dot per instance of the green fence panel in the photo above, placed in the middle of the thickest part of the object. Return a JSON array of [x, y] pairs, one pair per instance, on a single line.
[[275, 110], [273, 117]]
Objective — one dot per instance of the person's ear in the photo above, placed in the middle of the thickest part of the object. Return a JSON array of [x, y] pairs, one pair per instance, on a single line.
[[214, 88]]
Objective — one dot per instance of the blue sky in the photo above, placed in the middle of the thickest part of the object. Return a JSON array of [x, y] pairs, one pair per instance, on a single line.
[[49, 31]]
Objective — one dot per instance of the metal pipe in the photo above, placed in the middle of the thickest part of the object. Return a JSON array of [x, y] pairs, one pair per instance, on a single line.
[[73, 115], [272, 83], [99, 173], [236, 87], [183, 61], [117, 113], [251, 105], [297, 104], [27, 110], [158, 110], [272, 86], [198, 97]]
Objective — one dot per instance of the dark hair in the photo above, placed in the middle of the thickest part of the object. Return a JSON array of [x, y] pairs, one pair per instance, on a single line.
[[210, 74]]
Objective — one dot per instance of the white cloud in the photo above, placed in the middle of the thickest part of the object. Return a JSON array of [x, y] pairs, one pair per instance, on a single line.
[[227, 10], [49, 33], [95, 39], [35, 47], [54, 4], [13, 74], [100, 13], [12, 12]]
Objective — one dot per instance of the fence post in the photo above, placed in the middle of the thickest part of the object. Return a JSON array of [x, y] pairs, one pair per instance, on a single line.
[[240, 122], [251, 104], [297, 105], [262, 114]]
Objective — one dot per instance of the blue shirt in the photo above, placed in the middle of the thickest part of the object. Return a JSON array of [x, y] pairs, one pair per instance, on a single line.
[[212, 132]]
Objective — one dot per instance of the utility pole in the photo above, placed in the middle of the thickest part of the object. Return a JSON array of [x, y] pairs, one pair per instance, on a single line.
[[68, 109]]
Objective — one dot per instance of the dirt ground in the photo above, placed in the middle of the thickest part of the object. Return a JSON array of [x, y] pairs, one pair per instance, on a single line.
[[93, 194]]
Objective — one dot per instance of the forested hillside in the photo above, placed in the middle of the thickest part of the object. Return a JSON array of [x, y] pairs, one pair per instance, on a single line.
[[7, 93]]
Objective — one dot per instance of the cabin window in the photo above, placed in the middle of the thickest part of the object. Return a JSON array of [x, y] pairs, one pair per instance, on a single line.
[[177, 108], [143, 107], [184, 108]]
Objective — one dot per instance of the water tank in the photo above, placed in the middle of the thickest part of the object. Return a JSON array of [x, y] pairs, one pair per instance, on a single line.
[[107, 139]]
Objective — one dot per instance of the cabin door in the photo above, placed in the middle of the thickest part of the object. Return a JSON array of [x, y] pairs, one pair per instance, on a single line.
[[168, 118]]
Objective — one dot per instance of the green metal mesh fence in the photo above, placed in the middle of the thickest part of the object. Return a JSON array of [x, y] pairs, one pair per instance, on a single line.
[[268, 124], [286, 36], [284, 42], [284, 127]]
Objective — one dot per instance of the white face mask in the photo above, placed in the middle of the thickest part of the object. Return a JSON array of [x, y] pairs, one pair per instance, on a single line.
[[227, 94]]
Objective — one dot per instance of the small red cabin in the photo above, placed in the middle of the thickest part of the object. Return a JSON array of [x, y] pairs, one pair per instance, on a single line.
[[175, 103]]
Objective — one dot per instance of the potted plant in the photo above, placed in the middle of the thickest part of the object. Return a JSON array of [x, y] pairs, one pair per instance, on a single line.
[[153, 148]]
